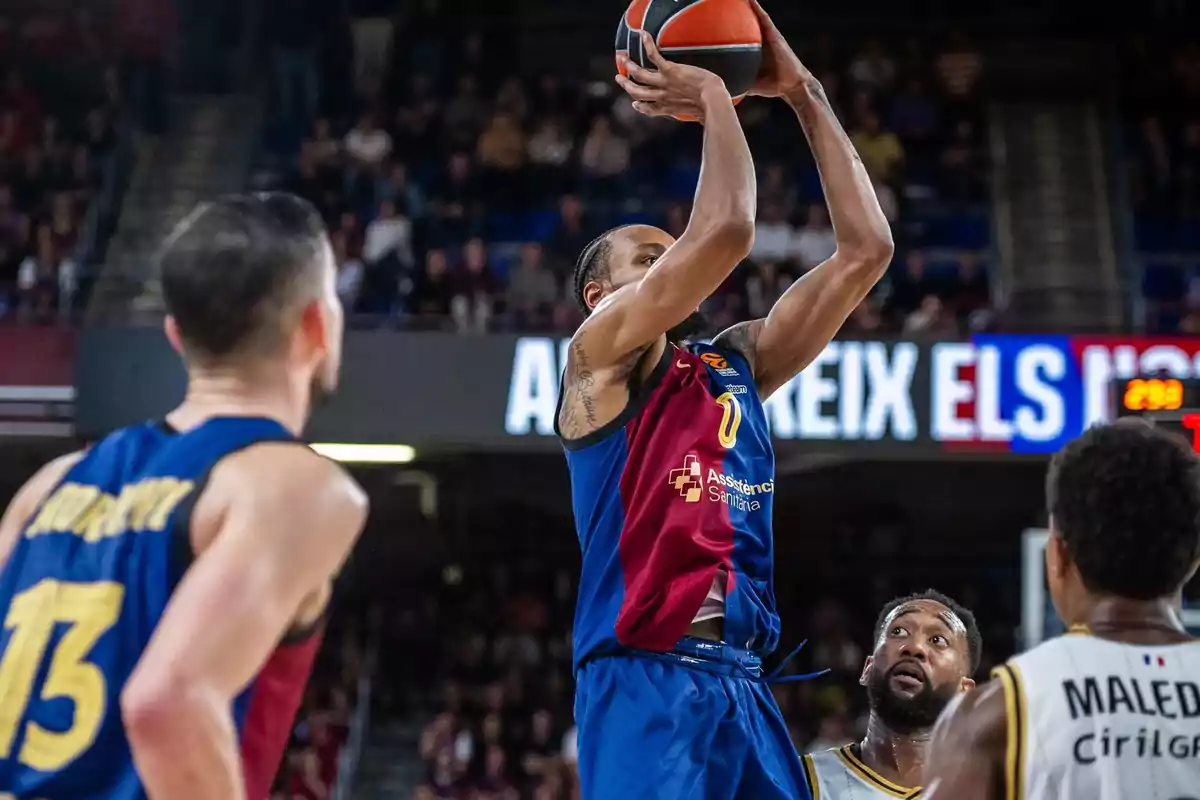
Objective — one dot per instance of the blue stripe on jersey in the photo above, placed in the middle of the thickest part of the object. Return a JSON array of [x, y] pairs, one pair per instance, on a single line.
[[600, 514]]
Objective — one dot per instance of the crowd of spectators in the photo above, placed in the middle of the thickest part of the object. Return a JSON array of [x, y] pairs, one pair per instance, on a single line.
[[60, 97], [1163, 153], [500, 726], [460, 192]]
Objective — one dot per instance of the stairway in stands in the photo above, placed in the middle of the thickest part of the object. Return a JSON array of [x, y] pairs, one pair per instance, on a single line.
[[206, 152], [391, 765], [1053, 217]]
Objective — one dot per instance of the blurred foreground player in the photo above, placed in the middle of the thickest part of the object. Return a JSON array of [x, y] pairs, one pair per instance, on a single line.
[[1110, 710], [174, 576], [927, 647], [672, 470]]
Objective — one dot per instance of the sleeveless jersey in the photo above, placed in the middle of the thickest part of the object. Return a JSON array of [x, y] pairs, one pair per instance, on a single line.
[[1092, 719], [839, 774], [82, 592], [674, 489]]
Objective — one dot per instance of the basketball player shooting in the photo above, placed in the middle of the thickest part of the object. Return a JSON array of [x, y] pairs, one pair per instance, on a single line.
[[165, 589], [926, 649], [1111, 709], [672, 469]]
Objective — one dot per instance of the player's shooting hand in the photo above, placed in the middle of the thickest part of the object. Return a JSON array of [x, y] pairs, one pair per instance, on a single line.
[[670, 89], [781, 73]]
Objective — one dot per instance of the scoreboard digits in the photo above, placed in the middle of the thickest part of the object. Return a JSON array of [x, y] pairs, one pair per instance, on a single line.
[[1169, 403], [1153, 394]]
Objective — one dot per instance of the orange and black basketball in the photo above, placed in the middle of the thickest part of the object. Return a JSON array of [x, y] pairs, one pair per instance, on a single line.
[[722, 36]]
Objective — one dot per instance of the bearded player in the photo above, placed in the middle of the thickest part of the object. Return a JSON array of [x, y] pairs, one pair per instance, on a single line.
[[1111, 709], [672, 470], [164, 590], [926, 648]]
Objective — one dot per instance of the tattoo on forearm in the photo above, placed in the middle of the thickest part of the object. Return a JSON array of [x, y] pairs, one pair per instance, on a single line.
[[818, 94], [809, 112]]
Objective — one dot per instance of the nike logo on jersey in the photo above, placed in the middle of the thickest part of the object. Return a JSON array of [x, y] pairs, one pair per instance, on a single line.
[[682, 365]]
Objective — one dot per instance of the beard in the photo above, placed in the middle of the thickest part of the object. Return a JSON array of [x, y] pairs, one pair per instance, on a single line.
[[908, 714], [696, 326]]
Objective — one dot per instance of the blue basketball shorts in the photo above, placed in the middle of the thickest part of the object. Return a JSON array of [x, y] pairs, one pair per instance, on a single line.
[[698, 723]]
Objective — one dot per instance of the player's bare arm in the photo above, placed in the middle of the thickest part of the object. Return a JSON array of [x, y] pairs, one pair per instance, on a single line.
[[966, 755], [813, 309], [265, 560], [28, 498], [629, 323]]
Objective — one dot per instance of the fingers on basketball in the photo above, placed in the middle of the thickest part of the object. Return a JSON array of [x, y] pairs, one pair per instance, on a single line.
[[639, 92], [651, 50], [643, 76]]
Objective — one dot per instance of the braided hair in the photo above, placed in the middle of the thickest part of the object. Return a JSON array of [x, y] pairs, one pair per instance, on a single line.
[[593, 265]]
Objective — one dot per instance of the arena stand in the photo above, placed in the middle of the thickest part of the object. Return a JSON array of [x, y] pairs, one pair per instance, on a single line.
[[1161, 134], [460, 189], [61, 113]]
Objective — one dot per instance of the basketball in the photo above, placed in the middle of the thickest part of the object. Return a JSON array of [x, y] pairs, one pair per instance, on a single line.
[[722, 36]]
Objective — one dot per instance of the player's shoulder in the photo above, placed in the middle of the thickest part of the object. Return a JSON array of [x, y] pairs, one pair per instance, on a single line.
[[821, 765], [54, 471], [824, 757], [44, 481], [732, 349], [1060, 649], [737, 341], [287, 469], [817, 766], [827, 771], [31, 496]]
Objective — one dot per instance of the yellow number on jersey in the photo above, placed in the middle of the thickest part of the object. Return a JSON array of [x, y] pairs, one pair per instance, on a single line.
[[89, 609], [731, 419]]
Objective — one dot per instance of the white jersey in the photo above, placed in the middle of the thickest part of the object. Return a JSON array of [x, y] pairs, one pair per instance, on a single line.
[[1092, 719], [840, 775]]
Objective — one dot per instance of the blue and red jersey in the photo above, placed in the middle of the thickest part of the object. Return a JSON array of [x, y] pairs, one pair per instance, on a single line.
[[677, 488], [81, 594]]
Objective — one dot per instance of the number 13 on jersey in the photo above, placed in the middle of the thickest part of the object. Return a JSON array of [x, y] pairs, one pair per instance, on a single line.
[[87, 610]]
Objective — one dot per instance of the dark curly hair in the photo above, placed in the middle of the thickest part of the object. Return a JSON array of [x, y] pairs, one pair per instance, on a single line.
[[593, 265], [1125, 499], [974, 638]]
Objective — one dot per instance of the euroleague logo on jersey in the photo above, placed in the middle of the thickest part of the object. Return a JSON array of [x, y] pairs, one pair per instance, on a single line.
[[719, 364], [694, 483]]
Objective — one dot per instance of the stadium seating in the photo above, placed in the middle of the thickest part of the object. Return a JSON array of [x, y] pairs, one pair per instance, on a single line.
[[466, 147], [61, 110], [1161, 134]]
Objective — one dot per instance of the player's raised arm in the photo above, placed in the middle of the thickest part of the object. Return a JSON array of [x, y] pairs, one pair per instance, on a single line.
[[265, 557], [967, 750], [812, 310], [719, 234]]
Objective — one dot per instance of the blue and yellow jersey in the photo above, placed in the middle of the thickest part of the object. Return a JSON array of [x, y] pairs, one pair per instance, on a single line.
[[81, 594]]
